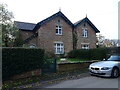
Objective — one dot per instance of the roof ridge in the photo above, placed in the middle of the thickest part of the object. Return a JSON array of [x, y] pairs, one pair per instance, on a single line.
[[24, 22], [79, 21], [59, 13]]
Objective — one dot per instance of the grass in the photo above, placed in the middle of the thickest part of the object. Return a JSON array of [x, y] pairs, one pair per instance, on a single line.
[[69, 60]]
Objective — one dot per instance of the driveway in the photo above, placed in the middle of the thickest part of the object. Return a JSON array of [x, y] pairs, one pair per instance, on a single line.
[[87, 82]]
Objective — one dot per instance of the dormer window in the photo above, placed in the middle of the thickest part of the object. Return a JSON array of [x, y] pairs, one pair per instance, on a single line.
[[84, 32], [58, 30]]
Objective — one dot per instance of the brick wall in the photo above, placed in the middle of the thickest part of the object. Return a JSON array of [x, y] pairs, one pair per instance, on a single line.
[[91, 39], [35, 72], [26, 34], [65, 67], [47, 35]]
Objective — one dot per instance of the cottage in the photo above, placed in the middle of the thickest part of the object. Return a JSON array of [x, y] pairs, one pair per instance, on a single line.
[[58, 35]]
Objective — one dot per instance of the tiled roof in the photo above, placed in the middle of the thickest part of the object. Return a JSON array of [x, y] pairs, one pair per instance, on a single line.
[[25, 25], [51, 17], [33, 27], [89, 22]]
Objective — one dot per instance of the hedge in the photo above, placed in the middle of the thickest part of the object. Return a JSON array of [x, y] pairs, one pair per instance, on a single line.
[[19, 60], [92, 54]]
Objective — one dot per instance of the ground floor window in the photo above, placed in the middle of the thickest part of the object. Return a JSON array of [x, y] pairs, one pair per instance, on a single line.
[[32, 46], [85, 46], [59, 48]]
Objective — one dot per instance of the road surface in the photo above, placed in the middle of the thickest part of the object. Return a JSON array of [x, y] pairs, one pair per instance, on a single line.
[[87, 82]]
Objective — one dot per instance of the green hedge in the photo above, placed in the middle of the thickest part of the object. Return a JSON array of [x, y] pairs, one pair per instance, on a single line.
[[19, 60], [89, 54]]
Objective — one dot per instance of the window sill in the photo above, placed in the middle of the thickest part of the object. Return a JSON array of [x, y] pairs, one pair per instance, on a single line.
[[59, 34], [59, 53]]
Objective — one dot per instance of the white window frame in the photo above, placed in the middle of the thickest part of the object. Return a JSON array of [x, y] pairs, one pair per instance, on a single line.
[[84, 32], [59, 47], [86, 46], [59, 29], [32, 46]]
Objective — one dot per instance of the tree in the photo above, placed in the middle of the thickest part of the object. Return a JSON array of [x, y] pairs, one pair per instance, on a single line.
[[100, 40], [75, 40], [9, 31]]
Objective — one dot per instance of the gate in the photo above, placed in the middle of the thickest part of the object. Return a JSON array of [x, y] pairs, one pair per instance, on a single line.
[[49, 67]]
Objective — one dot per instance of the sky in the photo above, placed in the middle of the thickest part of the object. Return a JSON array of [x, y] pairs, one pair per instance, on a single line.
[[102, 13]]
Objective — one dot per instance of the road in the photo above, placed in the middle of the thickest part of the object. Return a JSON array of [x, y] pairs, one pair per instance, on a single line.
[[87, 82]]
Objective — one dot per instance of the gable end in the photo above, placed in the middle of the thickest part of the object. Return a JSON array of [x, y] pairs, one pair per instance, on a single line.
[[89, 22], [51, 17]]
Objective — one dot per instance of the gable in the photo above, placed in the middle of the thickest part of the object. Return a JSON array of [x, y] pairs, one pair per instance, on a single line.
[[89, 22], [51, 17]]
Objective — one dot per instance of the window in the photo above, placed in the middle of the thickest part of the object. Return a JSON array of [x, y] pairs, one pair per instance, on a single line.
[[85, 46], [58, 30], [84, 25], [32, 46], [59, 48], [84, 32], [58, 20]]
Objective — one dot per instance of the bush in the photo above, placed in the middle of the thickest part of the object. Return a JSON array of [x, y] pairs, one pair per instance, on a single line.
[[89, 54], [19, 60], [98, 54]]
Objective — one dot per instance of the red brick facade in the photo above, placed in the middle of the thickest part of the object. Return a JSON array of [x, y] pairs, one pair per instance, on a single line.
[[90, 39], [47, 35], [50, 41]]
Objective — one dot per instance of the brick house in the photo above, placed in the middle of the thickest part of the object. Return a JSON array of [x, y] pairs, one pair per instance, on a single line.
[[56, 34]]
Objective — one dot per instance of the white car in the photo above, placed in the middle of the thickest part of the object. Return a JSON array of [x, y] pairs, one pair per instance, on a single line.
[[108, 68]]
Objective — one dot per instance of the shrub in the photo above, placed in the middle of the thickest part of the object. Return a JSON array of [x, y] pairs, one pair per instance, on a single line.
[[88, 54], [19, 60], [98, 54]]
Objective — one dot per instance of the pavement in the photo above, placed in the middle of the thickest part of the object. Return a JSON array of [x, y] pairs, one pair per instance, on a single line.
[[52, 81], [83, 80], [87, 82]]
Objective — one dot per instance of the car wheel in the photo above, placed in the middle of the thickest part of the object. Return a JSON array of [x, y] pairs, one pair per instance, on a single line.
[[115, 72]]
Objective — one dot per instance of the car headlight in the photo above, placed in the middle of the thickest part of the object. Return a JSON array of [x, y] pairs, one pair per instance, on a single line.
[[105, 68]]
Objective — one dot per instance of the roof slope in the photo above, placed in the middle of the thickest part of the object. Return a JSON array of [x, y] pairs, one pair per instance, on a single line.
[[51, 17], [25, 25], [89, 22]]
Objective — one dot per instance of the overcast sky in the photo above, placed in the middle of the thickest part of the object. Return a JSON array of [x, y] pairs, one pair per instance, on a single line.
[[102, 13]]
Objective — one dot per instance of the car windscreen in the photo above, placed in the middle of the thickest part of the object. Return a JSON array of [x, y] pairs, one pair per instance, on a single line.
[[114, 58]]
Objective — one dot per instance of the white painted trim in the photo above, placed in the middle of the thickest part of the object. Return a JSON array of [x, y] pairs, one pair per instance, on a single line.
[[56, 47], [85, 43], [84, 28], [58, 42], [58, 29]]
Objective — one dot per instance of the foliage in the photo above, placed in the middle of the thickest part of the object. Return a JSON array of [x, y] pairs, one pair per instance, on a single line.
[[90, 54], [9, 31], [75, 39], [18, 42], [18, 60], [101, 40], [6, 15]]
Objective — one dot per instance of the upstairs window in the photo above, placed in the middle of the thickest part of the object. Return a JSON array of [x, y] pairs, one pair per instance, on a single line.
[[58, 30], [84, 32]]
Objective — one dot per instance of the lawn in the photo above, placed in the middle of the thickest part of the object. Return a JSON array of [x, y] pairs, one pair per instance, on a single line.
[[69, 60]]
